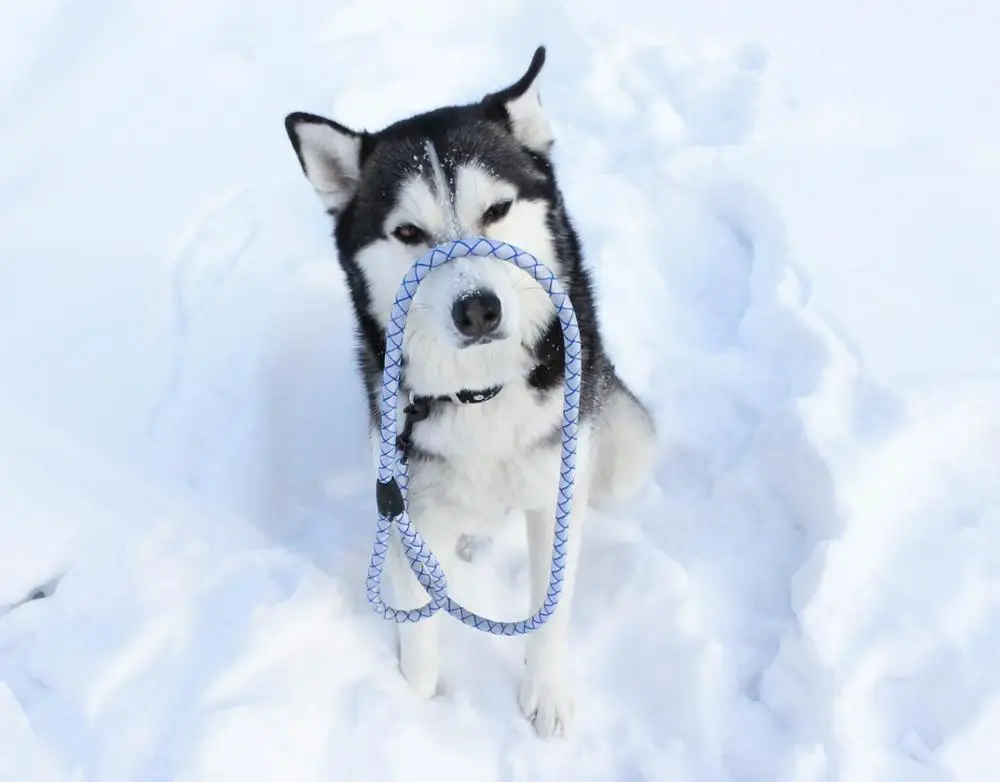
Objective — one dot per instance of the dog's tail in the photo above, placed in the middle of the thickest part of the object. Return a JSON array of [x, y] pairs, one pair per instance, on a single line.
[[625, 443]]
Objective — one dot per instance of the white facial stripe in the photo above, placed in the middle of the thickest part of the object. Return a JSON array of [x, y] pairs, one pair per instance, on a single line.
[[444, 200]]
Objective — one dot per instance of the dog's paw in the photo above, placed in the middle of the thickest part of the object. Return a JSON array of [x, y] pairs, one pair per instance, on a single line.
[[547, 701], [421, 670], [423, 680]]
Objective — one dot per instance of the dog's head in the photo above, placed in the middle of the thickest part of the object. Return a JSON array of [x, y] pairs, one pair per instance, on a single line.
[[481, 169]]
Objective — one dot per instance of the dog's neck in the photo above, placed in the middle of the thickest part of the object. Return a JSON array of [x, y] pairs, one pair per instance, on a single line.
[[420, 408]]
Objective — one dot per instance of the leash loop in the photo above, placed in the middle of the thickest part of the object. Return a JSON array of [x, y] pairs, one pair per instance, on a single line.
[[393, 474]]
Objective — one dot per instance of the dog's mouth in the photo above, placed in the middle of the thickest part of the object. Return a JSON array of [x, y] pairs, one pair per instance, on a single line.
[[485, 339]]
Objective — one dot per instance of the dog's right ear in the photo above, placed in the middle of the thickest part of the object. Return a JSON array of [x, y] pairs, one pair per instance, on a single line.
[[519, 106], [330, 155]]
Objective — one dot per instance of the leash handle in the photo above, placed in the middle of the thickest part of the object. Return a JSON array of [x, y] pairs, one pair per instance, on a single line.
[[393, 474]]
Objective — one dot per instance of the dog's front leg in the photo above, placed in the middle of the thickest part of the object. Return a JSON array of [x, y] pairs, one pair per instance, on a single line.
[[546, 692], [419, 642]]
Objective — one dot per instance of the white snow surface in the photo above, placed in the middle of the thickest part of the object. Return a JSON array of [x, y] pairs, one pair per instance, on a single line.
[[790, 209]]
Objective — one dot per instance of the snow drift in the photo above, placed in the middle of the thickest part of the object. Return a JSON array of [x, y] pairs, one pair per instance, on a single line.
[[808, 590]]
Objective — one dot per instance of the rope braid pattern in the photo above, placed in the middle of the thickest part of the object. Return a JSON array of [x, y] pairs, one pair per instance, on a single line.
[[393, 474]]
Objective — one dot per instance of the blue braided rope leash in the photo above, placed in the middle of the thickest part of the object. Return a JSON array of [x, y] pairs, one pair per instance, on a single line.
[[393, 474]]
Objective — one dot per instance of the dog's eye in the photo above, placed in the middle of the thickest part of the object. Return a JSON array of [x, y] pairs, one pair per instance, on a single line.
[[496, 212], [408, 233]]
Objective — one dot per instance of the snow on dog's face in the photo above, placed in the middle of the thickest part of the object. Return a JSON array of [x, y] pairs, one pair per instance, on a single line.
[[456, 172], [460, 183]]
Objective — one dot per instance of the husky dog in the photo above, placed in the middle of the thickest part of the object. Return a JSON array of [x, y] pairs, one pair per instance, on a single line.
[[483, 349]]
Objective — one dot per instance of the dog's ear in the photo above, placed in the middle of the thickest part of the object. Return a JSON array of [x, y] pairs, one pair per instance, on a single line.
[[519, 107], [330, 155]]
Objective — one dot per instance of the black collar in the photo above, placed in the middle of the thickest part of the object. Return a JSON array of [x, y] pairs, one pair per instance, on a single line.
[[464, 397], [420, 408]]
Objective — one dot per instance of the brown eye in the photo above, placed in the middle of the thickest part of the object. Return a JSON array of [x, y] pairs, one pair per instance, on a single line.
[[496, 212], [408, 233]]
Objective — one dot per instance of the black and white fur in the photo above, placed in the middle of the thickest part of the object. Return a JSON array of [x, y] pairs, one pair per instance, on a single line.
[[455, 172]]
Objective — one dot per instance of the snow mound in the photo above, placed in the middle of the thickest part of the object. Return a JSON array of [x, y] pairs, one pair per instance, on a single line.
[[808, 590]]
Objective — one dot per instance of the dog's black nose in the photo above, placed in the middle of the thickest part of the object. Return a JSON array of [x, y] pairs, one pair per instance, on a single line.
[[477, 314]]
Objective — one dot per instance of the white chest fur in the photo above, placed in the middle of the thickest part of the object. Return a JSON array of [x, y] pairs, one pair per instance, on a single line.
[[490, 457]]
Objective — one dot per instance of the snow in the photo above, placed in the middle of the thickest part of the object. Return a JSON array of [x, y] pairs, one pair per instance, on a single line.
[[788, 208]]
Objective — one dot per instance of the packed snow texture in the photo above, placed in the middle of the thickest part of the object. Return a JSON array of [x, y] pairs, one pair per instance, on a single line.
[[809, 590]]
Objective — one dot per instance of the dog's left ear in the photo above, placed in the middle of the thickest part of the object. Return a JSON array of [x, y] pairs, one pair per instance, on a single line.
[[520, 108], [330, 155]]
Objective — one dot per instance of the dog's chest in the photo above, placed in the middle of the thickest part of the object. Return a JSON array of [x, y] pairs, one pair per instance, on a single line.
[[501, 454]]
